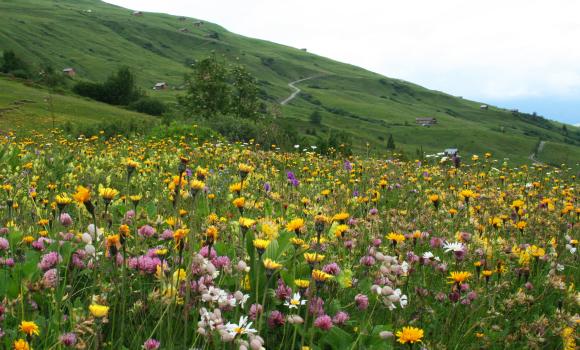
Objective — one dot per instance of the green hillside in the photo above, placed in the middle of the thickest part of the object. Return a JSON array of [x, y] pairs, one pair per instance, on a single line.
[[95, 38], [25, 107]]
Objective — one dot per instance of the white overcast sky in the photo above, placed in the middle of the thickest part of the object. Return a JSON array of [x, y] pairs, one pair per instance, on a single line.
[[514, 53]]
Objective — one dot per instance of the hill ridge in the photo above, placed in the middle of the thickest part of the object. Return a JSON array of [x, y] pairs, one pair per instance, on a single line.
[[362, 103]]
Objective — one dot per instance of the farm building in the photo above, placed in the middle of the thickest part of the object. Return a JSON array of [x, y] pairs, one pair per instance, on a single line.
[[197, 24], [450, 152], [426, 121], [69, 71], [137, 13], [484, 107], [160, 86]]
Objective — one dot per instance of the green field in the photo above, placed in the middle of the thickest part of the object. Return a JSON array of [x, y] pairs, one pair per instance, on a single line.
[[95, 38], [27, 108]]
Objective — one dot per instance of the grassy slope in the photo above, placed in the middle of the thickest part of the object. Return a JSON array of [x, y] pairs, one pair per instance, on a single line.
[[64, 34], [25, 107]]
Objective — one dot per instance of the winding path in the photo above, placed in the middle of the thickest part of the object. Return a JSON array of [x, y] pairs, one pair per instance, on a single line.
[[296, 89], [533, 155]]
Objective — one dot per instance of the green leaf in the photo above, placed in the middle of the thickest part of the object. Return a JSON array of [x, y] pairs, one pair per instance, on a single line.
[[13, 290], [151, 210], [272, 250], [374, 342], [30, 266], [337, 339], [14, 237], [121, 209]]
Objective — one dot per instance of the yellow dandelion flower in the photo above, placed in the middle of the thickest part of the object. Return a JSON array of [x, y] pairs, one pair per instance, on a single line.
[[321, 276], [303, 284], [295, 225], [82, 195], [99, 311], [30, 328], [409, 335], [21, 344], [312, 258], [459, 277], [271, 264], [108, 193]]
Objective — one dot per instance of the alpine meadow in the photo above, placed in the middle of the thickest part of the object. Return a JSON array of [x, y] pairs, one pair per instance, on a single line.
[[169, 184]]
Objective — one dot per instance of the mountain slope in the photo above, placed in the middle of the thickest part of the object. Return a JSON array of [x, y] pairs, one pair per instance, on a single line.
[[27, 108], [95, 38]]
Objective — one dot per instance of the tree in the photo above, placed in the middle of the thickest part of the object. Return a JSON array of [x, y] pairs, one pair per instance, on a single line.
[[244, 101], [316, 118], [391, 143], [51, 78], [121, 88], [208, 92], [13, 64], [565, 129]]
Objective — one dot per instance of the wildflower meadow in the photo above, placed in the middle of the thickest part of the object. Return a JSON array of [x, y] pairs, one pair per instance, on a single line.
[[175, 243]]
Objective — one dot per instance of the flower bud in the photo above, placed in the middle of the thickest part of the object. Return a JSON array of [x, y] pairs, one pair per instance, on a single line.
[[386, 334], [295, 319]]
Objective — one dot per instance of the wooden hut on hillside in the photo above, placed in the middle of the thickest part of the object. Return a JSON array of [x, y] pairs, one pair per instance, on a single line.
[[69, 71], [160, 86], [426, 121]]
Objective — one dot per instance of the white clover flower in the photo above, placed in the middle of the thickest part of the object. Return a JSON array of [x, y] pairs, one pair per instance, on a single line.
[[86, 238], [90, 249]]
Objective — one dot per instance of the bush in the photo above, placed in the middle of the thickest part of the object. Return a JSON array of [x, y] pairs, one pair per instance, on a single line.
[[149, 106], [316, 118], [119, 89], [189, 132], [264, 133], [12, 64], [20, 73], [90, 90]]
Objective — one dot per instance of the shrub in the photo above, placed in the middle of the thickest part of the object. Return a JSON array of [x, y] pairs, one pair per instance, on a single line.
[[188, 131], [89, 89], [119, 89], [149, 106], [316, 118]]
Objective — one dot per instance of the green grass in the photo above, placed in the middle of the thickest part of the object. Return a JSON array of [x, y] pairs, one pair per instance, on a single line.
[[63, 34], [558, 154], [26, 108]]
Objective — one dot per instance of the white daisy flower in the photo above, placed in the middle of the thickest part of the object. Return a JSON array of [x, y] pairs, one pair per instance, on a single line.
[[453, 247], [294, 302], [428, 255], [243, 327]]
